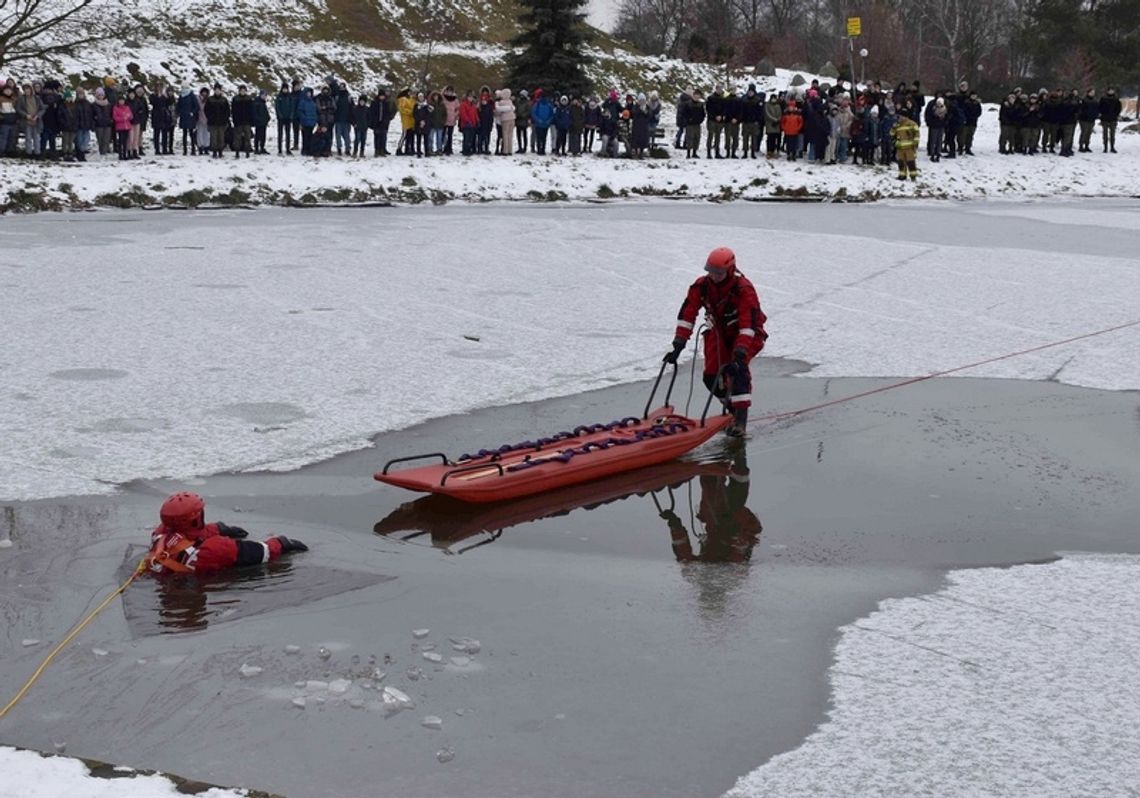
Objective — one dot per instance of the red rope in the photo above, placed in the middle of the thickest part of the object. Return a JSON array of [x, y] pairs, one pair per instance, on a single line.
[[913, 380]]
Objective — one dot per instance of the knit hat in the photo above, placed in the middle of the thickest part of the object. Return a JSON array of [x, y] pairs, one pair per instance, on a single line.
[[100, 93], [613, 94], [68, 94], [874, 110], [563, 100], [524, 94]]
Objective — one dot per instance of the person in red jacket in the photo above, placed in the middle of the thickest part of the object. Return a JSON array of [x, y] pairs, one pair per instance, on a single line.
[[735, 335], [185, 544]]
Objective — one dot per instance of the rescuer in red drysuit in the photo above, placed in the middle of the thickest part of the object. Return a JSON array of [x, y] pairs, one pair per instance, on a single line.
[[735, 335], [732, 530], [185, 544]]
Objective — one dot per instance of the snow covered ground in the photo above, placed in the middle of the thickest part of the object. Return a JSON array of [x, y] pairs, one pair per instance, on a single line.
[[27, 774], [282, 180]]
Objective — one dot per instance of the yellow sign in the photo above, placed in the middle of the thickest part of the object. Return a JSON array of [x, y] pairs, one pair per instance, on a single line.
[[854, 26]]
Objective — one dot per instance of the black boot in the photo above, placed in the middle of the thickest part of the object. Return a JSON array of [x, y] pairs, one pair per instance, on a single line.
[[739, 424]]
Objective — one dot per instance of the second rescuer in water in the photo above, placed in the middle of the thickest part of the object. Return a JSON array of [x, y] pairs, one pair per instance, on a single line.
[[735, 335]]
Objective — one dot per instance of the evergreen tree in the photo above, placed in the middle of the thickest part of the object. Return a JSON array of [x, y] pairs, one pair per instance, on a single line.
[[550, 53]]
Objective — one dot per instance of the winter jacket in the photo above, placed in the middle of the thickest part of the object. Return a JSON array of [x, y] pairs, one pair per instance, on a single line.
[[306, 110], [792, 122], [593, 115], [578, 117], [139, 108], [217, 111], [542, 114], [733, 308], [1109, 108], [905, 133], [1007, 114], [123, 117], [1090, 109], [486, 112], [639, 129], [187, 111], [562, 118], [343, 107], [162, 111], [714, 107], [381, 112], [467, 115], [101, 111], [326, 109], [682, 103], [772, 115], [439, 113], [935, 117], [972, 110], [242, 110], [406, 106], [8, 114], [522, 112], [285, 106], [422, 114], [752, 112], [694, 113], [504, 108], [84, 115], [451, 105], [360, 116]]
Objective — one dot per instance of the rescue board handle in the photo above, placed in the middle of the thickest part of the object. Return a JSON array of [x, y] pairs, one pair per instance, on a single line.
[[656, 383], [391, 463]]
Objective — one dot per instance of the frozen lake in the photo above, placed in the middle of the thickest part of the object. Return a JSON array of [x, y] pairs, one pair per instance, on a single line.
[[829, 653]]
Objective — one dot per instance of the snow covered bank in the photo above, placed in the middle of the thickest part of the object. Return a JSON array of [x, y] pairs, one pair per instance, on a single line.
[[1017, 682], [27, 774], [281, 180]]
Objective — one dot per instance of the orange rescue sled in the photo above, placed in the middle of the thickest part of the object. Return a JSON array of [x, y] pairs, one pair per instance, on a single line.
[[566, 458]]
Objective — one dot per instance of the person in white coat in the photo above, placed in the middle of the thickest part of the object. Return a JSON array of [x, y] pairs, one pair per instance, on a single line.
[[505, 118]]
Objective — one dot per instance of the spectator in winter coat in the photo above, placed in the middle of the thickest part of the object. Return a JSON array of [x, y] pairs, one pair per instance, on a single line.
[[163, 120], [29, 109], [1089, 111], [67, 127], [406, 105], [683, 100], [202, 130], [1007, 125], [307, 117], [103, 123], [285, 106], [654, 108], [578, 124], [639, 127], [468, 120], [541, 117], [141, 112], [608, 128], [751, 121], [486, 120], [1068, 111], [522, 121], [183, 543], [218, 119], [714, 115], [936, 122], [955, 121], [693, 119], [422, 115], [773, 112], [326, 120], [591, 122], [242, 111], [887, 120], [438, 123], [505, 117], [792, 127], [8, 119], [451, 108], [732, 110], [381, 113], [187, 112], [360, 115], [260, 121], [562, 125], [342, 124], [1109, 114], [51, 117], [1030, 126], [123, 121]]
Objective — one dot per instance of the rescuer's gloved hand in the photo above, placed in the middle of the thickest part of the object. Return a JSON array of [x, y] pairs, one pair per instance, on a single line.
[[740, 355], [289, 545], [670, 516], [235, 532], [671, 355]]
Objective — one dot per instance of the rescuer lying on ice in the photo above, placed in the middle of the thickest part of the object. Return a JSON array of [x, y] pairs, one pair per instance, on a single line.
[[735, 335], [185, 544]]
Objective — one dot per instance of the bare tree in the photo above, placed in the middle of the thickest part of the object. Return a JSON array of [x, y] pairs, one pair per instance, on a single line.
[[966, 30], [34, 30], [655, 26]]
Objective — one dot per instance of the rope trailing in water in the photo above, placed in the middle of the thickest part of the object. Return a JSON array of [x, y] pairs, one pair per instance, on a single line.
[[70, 636], [792, 413]]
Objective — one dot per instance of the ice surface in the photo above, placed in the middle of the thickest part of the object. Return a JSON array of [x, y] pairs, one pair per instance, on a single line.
[[1018, 682], [297, 385]]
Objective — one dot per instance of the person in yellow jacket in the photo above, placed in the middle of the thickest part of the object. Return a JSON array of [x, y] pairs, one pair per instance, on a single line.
[[905, 133], [406, 105]]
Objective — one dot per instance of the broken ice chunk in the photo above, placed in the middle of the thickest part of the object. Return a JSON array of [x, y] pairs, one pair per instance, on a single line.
[[299, 702], [445, 755], [292, 649], [339, 686], [432, 722], [29, 641], [247, 671], [420, 634], [323, 653], [432, 656]]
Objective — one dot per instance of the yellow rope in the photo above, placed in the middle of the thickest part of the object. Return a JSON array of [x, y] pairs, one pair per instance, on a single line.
[[70, 636]]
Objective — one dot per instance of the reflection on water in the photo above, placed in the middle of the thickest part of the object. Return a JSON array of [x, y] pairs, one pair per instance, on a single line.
[[186, 603], [726, 530]]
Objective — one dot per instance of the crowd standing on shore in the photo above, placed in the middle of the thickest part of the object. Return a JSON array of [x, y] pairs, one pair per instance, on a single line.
[[828, 124]]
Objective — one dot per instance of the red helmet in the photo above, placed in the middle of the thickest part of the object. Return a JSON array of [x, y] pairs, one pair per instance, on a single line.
[[183, 511], [722, 260]]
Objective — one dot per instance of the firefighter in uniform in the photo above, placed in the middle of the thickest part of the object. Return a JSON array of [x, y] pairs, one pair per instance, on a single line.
[[735, 335], [185, 544]]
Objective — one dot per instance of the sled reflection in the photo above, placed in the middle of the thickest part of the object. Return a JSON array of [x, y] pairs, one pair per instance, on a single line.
[[458, 526]]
